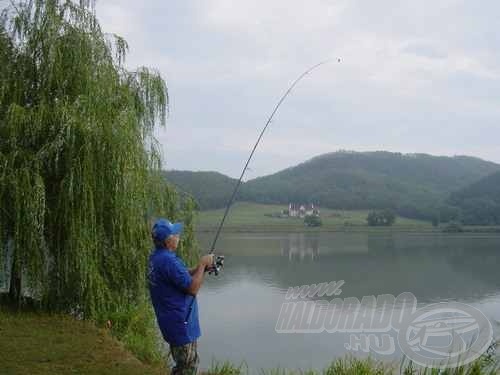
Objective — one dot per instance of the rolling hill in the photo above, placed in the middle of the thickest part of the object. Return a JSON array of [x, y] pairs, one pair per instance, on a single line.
[[415, 185], [479, 202], [210, 189]]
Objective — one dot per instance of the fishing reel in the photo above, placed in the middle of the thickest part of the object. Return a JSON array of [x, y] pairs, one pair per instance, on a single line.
[[217, 266]]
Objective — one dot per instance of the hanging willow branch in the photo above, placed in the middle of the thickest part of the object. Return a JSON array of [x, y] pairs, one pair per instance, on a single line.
[[79, 165]]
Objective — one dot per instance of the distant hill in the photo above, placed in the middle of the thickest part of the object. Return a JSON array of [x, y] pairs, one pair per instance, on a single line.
[[415, 185], [210, 189], [480, 201]]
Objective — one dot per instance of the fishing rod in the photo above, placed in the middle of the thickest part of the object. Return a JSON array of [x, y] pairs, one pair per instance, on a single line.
[[219, 260]]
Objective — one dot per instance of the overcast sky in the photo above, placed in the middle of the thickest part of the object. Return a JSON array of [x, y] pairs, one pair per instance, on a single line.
[[415, 76]]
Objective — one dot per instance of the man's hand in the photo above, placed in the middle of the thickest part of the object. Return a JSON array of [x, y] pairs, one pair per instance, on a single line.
[[207, 260]]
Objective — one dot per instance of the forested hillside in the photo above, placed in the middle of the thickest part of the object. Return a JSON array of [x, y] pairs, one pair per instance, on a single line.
[[210, 189], [414, 185], [480, 201]]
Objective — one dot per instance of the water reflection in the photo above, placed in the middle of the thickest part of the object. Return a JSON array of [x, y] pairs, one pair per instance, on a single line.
[[300, 246], [245, 299], [433, 267]]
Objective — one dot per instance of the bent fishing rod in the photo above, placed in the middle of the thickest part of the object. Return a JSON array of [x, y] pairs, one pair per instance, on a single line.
[[219, 260]]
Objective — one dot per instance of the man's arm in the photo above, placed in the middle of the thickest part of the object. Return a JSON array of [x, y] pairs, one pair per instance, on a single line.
[[198, 274]]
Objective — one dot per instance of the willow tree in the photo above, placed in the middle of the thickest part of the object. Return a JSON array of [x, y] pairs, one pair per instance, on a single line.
[[79, 164]]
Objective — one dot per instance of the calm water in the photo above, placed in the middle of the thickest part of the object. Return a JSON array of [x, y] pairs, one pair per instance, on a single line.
[[240, 307]]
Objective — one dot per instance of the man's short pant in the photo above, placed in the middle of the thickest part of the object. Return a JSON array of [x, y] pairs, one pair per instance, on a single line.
[[186, 359]]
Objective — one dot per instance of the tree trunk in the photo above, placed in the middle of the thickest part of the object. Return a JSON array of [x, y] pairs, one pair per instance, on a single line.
[[15, 282]]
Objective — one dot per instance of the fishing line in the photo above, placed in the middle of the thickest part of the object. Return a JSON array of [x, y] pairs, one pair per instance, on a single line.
[[219, 260], [282, 99]]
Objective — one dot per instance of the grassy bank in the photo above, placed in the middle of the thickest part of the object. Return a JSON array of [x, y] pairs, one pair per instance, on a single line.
[[255, 217], [43, 344], [353, 366]]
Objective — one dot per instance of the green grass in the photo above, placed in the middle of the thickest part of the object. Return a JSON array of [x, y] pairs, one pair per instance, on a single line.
[[252, 216], [44, 344], [227, 368], [349, 365], [41, 344]]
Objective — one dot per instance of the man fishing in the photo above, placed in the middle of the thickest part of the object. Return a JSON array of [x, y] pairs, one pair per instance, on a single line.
[[173, 288]]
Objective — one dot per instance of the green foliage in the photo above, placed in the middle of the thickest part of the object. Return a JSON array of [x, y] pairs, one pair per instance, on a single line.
[[227, 368], [349, 365], [79, 165], [210, 189], [135, 326], [48, 344], [480, 202], [413, 185], [313, 221], [354, 366], [381, 218], [245, 216]]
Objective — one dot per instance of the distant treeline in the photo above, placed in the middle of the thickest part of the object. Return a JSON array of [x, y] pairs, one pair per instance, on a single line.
[[210, 189], [419, 186], [479, 203]]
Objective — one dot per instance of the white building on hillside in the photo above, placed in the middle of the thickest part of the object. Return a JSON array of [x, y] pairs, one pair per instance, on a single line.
[[302, 210]]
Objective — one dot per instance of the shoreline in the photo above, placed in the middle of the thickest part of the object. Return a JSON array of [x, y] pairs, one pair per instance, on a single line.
[[257, 218], [340, 229], [45, 344]]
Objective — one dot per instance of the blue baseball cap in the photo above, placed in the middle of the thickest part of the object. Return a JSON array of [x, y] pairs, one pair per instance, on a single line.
[[163, 228]]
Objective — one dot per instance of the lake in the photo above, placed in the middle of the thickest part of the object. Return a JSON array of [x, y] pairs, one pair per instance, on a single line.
[[239, 308]]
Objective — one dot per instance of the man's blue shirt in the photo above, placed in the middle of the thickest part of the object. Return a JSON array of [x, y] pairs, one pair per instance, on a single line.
[[168, 280]]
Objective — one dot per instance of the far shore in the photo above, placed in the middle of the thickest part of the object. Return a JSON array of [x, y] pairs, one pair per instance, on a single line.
[[360, 229], [257, 218]]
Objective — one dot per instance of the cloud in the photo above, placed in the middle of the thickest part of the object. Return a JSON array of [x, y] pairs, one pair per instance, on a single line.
[[414, 77]]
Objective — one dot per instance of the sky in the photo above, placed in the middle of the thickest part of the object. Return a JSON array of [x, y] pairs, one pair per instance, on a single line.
[[414, 76]]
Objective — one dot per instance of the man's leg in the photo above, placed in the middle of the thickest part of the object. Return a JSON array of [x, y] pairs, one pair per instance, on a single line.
[[186, 359]]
